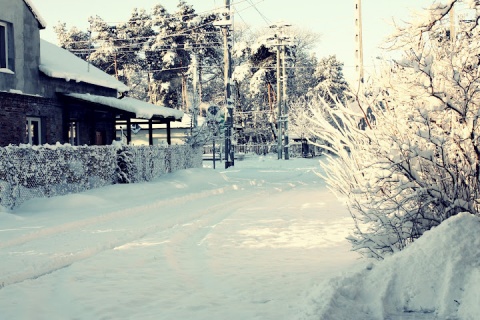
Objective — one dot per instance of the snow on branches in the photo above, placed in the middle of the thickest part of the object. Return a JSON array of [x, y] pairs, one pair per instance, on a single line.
[[419, 163]]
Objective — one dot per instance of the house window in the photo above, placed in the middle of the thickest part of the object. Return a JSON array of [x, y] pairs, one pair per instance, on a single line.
[[73, 137], [3, 46], [34, 131]]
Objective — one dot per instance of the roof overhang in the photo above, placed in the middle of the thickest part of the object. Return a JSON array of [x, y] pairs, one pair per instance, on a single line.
[[136, 108], [41, 22]]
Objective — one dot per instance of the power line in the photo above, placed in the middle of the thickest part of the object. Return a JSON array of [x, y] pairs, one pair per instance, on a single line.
[[175, 34], [155, 37], [267, 21], [172, 16], [188, 48], [180, 46]]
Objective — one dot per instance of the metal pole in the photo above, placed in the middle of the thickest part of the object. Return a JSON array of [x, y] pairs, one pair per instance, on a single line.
[[213, 154], [279, 103]]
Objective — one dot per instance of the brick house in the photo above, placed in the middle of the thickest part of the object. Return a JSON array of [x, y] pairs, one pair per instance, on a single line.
[[48, 95]]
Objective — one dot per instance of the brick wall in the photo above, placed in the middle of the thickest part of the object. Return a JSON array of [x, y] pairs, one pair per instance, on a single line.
[[14, 110]]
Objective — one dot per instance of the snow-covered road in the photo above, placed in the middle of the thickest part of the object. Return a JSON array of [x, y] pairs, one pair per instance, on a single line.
[[245, 243]]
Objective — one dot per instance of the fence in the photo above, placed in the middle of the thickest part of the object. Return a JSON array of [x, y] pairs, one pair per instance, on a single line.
[[296, 149], [28, 172]]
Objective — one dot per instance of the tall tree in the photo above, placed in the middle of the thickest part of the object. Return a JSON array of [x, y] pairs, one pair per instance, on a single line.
[[106, 55], [133, 37], [329, 81], [169, 56], [74, 40]]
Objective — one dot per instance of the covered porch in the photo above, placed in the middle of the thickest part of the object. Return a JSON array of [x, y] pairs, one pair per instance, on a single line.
[[105, 114]]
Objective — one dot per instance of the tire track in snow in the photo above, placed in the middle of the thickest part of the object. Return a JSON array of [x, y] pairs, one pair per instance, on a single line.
[[211, 214], [197, 233], [138, 210], [60, 262]]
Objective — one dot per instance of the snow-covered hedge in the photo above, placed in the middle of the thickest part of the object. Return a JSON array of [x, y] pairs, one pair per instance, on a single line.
[[153, 161], [44, 171]]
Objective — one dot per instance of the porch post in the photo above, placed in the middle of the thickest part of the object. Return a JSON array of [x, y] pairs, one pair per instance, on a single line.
[[129, 130], [65, 123], [169, 137], [150, 132]]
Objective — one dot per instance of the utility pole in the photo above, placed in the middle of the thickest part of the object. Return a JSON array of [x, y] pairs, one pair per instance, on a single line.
[[282, 109], [452, 17], [279, 101], [285, 105], [359, 44], [229, 152], [195, 97]]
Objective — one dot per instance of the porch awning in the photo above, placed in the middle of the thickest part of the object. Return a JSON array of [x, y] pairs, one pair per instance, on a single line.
[[141, 109]]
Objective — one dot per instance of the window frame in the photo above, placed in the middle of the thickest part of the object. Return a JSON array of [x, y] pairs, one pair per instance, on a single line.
[[73, 133], [30, 127], [4, 48]]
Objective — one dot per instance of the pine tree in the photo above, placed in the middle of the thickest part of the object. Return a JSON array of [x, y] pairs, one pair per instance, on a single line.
[[74, 40], [330, 83], [133, 37], [125, 170], [104, 36], [167, 58]]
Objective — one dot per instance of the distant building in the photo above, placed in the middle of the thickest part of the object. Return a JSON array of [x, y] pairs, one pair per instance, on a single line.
[[140, 132]]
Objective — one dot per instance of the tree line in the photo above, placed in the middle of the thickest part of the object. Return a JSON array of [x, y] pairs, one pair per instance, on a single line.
[[159, 55]]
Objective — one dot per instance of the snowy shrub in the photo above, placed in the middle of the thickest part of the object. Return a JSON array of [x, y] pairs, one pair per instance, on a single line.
[[418, 163], [125, 170]]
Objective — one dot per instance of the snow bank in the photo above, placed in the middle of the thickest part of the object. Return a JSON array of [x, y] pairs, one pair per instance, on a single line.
[[436, 277]]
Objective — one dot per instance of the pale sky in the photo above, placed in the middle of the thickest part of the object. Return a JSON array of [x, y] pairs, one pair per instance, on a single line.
[[334, 20]]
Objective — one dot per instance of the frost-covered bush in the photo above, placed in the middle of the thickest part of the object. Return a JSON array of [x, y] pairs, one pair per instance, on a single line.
[[125, 170], [418, 163]]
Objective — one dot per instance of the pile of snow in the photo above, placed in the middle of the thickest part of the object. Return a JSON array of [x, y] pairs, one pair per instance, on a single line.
[[436, 277], [59, 63]]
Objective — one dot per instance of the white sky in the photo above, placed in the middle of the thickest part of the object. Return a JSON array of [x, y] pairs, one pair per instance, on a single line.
[[333, 19]]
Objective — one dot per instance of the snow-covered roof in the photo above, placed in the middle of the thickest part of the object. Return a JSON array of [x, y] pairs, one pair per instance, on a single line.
[[142, 110], [56, 62], [41, 21], [185, 123]]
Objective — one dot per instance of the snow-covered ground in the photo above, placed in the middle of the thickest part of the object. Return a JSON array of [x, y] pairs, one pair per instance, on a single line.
[[242, 243], [261, 240]]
